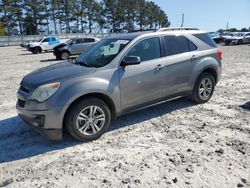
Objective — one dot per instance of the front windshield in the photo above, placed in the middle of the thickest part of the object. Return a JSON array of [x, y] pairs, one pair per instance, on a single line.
[[69, 41], [102, 53]]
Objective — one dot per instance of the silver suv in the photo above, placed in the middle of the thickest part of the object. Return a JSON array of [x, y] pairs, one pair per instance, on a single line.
[[75, 46], [118, 75]]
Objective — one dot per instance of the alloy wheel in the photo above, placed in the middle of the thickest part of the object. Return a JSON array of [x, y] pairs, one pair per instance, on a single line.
[[205, 88], [90, 120]]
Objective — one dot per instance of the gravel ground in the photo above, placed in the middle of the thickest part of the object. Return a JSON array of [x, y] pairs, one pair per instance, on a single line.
[[176, 144]]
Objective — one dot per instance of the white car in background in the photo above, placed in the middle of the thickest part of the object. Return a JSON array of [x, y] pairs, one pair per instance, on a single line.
[[44, 44], [239, 38]]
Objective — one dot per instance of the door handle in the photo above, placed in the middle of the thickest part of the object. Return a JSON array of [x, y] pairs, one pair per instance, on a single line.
[[158, 67], [193, 58]]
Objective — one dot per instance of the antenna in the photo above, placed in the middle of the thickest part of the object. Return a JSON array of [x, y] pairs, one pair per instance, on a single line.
[[227, 27], [182, 20]]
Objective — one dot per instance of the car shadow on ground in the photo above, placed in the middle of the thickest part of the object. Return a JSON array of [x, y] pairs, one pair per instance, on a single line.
[[49, 60], [29, 53], [18, 141]]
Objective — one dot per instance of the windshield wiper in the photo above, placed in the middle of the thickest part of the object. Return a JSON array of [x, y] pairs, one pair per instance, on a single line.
[[80, 63]]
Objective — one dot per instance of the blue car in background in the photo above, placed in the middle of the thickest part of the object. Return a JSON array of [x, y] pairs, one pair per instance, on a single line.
[[44, 44]]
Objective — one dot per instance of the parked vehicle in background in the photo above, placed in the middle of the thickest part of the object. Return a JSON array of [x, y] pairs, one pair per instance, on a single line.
[[44, 44], [25, 44], [74, 46], [215, 36], [239, 38], [118, 75]]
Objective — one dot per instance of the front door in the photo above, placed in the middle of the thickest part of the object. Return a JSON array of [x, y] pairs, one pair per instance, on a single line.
[[145, 82], [76, 47], [45, 44]]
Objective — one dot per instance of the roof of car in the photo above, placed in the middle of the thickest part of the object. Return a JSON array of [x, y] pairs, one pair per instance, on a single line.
[[127, 36], [133, 35]]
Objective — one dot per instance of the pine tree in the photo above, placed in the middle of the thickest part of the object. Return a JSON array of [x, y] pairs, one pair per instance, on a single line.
[[2, 29]]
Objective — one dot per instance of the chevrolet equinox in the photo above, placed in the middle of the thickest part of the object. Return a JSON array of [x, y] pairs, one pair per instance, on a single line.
[[118, 75]]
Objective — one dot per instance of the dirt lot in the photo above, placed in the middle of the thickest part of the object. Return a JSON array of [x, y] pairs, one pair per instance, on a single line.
[[176, 144]]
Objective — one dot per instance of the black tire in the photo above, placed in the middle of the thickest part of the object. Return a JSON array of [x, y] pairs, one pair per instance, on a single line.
[[201, 98], [240, 42], [71, 119], [64, 55], [58, 58], [227, 43], [37, 50]]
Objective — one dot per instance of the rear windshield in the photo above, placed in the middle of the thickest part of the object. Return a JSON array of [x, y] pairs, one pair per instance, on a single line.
[[205, 38]]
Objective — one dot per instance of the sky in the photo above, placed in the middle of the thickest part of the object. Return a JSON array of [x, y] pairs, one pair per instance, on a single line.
[[209, 15]]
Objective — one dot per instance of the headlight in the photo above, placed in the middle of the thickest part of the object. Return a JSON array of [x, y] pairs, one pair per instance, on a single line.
[[44, 92]]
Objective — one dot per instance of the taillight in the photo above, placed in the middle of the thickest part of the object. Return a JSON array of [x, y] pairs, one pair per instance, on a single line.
[[219, 54]]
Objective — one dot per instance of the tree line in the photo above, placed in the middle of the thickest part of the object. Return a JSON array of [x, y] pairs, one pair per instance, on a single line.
[[234, 30], [29, 17]]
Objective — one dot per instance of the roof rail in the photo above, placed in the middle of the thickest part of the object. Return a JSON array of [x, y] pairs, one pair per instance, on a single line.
[[141, 30], [176, 29]]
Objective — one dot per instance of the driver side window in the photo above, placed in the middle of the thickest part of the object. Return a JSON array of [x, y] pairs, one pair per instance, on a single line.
[[45, 40], [147, 49]]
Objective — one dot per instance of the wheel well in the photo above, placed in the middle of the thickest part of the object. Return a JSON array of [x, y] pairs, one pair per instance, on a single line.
[[37, 47], [65, 51], [100, 96], [212, 72]]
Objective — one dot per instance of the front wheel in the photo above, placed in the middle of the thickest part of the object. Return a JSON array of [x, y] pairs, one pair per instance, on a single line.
[[240, 42], [88, 119], [204, 88], [37, 50], [64, 55]]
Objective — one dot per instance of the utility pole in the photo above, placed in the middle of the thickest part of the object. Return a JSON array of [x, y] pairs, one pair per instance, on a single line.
[[182, 20]]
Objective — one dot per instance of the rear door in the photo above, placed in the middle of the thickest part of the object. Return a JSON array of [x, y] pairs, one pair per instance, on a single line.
[[53, 41], [140, 84], [88, 42], [181, 56]]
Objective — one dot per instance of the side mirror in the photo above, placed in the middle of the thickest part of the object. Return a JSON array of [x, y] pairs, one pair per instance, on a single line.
[[131, 60]]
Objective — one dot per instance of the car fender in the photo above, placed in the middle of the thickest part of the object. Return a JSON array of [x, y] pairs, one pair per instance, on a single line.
[[88, 86]]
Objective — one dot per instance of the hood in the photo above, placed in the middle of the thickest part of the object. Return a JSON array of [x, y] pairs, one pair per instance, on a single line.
[[31, 44], [60, 46], [54, 73]]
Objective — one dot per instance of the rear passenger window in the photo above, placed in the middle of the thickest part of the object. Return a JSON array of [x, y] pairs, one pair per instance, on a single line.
[[147, 49], [88, 40], [78, 41], [205, 38], [176, 45], [192, 46], [53, 39]]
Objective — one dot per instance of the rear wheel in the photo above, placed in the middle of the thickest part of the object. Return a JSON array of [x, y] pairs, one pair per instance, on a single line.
[[88, 119], [204, 88], [65, 55], [240, 41]]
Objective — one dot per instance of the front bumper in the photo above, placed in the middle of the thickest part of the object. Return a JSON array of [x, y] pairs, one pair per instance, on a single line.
[[47, 122], [51, 134]]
